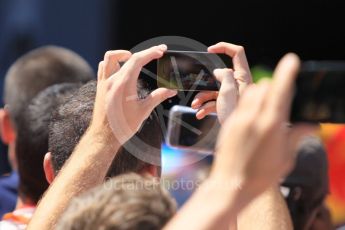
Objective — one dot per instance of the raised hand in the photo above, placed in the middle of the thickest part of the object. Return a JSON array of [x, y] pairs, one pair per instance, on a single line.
[[233, 83], [125, 110], [256, 146]]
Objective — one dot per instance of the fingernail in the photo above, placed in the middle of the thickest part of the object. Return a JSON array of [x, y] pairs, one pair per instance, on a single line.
[[291, 58], [163, 47], [172, 93], [195, 103], [216, 71], [200, 115]]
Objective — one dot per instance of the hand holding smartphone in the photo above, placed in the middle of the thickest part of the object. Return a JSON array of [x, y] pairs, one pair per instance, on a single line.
[[189, 70]]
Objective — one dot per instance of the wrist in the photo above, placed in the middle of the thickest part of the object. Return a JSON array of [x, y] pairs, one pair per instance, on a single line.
[[103, 136], [234, 192], [228, 196]]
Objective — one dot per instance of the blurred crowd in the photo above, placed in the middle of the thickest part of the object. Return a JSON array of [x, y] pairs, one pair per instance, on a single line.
[[76, 163]]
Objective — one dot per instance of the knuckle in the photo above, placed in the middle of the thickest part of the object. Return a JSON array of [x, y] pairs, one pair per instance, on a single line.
[[228, 71], [229, 89], [247, 120], [157, 96], [268, 125], [271, 126], [107, 55], [108, 85], [211, 108], [135, 55], [248, 124], [240, 49], [222, 43], [156, 53], [135, 58]]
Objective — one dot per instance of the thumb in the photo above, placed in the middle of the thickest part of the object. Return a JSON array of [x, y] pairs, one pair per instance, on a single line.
[[228, 85], [156, 97], [228, 93], [223, 74]]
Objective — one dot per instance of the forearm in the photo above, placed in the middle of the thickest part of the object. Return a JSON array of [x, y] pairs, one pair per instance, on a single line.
[[267, 211], [212, 206], [233, 223], [85, 169]]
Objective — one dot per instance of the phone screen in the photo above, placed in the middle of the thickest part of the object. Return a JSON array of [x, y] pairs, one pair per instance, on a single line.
[[320, 93], [187, 132], [189, 71]]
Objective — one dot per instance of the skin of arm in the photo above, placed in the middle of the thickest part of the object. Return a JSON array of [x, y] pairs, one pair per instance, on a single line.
[[93, 154], [88, 163], [269, 205], [267, 211], [210, 207], [233, 83], [249, 161]]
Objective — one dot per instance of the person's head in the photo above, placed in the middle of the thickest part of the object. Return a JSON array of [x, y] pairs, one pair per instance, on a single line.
[[129, 201], [32, 73], [307, 185], [70, 121], [32, 139]]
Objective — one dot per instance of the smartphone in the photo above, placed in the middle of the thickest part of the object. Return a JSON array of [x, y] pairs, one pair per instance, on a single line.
[[189, 70], [186, 132], [320, 93]]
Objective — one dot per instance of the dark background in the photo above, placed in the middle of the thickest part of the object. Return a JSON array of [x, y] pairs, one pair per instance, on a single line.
[[314, 30], [267, 29]]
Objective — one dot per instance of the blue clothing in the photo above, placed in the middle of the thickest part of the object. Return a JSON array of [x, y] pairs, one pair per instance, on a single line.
[[8, 193]]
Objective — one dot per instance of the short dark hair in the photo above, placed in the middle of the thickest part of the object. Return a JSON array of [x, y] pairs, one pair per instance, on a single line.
[[129, 201], [70, 121], [32, 139], [39, 69]]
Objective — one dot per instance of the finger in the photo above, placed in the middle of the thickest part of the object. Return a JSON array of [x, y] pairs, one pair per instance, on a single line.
[[202, 97], [242, 80], [228, 93], [134, 65], [155, 98], [112, 59], [238, 56], [283, 84], [254, 98], [207, 108], [100, 71], [226, 77]]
